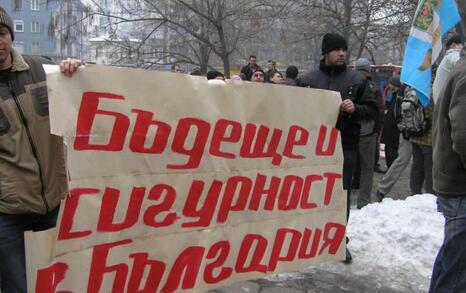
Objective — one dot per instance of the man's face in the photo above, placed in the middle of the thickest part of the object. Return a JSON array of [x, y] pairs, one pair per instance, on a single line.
[[252, 61], [336, 57], [257, 76], [177, 69], [5, 48], [270, 66]]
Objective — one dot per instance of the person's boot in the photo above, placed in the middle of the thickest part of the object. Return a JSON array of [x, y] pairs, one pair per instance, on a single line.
[[349, 257], [379, 195]]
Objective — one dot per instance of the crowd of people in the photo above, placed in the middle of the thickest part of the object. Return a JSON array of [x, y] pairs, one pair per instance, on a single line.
[[32, 168]]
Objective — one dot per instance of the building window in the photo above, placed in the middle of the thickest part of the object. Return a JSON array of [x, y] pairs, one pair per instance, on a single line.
[[19, 26], [35, 48], [35, 27], [17, 5], [34, 4]]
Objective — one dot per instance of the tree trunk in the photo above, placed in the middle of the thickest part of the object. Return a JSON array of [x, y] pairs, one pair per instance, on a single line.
[[347, 25], [226, 66], [204, 54], [363, 38], [224, 52]]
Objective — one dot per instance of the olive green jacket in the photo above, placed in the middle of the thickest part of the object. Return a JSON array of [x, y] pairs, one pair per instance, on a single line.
[[32, 165], [449, 135]]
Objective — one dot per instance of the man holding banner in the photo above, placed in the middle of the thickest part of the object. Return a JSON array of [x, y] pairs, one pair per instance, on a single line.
[[32, 172], [358, 102]]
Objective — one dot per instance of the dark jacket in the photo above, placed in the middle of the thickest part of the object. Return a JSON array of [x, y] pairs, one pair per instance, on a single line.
[[390, 131], [288, 81], [351, 85], [32, 165], [381, 106], [371, 126], [449, 135], [248, 70]]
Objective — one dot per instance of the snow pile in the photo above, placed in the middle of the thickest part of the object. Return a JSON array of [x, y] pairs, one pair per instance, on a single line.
[[394, 244], [404, 234]]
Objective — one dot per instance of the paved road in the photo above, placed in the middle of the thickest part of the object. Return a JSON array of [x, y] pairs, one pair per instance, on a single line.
[[337, 279]]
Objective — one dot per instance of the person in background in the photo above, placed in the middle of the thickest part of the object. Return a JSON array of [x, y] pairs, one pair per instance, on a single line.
[[390, 132], [454, 46], [32, 164], [277, 77], [250, 68], [258, 76], [196, 72], [449, 173], [421, 168], [367, 141], [214, 74], [176, 68], [291, 75], [392, 136], [272, 69], [358, 102]]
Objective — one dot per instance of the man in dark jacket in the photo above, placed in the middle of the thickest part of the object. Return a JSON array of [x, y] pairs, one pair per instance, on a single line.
[[32, 165], [449, 174], [358, 102], [364, 173], [251, 67]]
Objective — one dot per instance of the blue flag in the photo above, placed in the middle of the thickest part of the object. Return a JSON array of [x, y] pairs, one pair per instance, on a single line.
[[433, 19]]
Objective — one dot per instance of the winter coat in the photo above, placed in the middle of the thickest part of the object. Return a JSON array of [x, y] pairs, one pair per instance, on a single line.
[[351, 85], [288, 81], [449, 135], [32, 166], [443, 71], [371, 126], [390, 131]]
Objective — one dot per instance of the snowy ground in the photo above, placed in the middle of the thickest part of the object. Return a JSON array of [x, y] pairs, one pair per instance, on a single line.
[[394, 245]]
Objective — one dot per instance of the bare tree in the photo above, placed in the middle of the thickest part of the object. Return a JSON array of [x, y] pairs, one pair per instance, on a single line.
[[200, 27], [369, 26]]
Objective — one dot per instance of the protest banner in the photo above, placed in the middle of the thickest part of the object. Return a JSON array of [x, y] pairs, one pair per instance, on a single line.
[[178, 184]]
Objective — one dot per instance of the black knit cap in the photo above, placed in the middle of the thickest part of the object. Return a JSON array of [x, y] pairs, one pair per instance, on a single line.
[[332, 42], [6, 21]]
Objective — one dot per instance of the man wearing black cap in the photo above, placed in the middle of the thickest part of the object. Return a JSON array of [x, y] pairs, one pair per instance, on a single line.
[[32, 167], [358, 102]]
